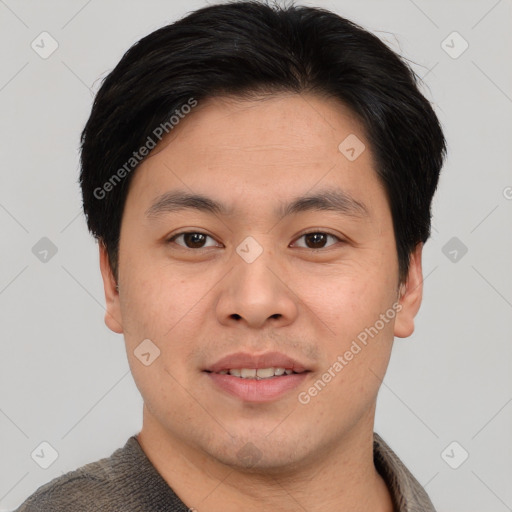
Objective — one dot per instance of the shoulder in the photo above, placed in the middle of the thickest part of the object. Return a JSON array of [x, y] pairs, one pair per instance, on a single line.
[[96, 486], [406, 491], [126, 480]]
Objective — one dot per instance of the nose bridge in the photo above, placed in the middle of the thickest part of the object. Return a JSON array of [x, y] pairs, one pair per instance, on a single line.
[[253, 248], [256, 291], [256, 266]]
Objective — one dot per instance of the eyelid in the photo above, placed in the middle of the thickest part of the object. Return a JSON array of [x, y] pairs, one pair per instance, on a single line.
[[322, 231], [310, 231], [171, 238]]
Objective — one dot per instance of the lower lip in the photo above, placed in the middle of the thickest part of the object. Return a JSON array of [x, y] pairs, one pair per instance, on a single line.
[[254, 390]]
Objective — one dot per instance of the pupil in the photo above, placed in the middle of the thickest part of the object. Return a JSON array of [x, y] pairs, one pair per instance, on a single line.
[[194, 238], [317, 238], [197, 239]]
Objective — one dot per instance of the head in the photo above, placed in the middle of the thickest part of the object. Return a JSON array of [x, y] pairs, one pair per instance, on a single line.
[[260, 180]]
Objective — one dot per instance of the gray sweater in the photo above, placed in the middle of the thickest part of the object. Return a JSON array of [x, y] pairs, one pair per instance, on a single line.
[[128, 482]]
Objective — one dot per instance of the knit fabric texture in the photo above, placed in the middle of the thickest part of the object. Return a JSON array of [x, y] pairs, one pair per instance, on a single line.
[[128, 482]]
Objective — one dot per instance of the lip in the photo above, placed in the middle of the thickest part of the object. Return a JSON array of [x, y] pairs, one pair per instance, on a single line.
[[265, 360], [253, 390], [257, 390]]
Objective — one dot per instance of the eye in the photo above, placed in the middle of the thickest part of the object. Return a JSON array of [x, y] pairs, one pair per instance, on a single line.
[[317, 239], [314, 240], [191, 239]]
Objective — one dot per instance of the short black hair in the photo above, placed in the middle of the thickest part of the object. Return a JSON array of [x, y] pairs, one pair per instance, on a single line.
[[248, 49]]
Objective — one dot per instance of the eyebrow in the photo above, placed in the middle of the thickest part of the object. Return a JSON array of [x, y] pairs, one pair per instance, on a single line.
[[331, 199]]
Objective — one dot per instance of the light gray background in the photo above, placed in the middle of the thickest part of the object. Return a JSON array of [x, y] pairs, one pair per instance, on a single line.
[[64, 376]]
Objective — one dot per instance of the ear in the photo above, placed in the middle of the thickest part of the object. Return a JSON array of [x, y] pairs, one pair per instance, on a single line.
[[411, 293], [113, 308]]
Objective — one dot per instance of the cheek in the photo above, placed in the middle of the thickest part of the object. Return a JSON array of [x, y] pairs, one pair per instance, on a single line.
[[161, 305], [159, 310], [350, 301], [152, 298], [360, 311]]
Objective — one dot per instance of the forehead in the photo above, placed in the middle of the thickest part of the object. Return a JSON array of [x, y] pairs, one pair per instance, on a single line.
[[266, 147], [284, 124]]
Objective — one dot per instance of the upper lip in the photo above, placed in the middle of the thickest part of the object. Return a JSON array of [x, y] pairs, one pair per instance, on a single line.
[[265, 360]]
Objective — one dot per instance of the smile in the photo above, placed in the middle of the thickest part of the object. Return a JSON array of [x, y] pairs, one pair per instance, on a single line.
[[257, 373]]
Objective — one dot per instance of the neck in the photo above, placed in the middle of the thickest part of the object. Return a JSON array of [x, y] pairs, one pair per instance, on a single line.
[[340, 477]]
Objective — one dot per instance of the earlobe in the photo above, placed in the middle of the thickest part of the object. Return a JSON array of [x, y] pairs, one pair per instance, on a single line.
[[112, 305], [410, 296]]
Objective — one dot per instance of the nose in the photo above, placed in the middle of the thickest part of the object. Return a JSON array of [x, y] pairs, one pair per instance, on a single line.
[[257, 293]]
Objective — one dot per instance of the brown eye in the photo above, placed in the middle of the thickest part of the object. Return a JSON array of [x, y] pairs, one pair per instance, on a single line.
[[191, 239], [317, 239]]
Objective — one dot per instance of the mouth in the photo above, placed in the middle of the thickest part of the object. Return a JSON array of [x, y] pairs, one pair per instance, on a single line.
[[257, 373], [257, 377]]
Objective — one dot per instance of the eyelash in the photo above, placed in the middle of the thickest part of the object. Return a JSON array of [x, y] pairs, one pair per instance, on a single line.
[[175, 236]]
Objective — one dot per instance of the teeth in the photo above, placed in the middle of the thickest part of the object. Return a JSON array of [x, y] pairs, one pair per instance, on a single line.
[[265, 373], [260, 373]]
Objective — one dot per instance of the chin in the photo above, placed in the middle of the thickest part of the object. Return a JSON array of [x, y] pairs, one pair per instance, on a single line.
[[260, 453]]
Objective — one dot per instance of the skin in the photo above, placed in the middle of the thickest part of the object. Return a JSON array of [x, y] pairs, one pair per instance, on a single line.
[[198, 305]]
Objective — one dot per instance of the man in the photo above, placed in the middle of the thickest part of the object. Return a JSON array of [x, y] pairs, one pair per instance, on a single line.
[[260, 181]]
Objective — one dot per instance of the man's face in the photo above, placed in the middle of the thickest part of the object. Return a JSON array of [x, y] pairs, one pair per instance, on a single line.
[[253, 281]]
